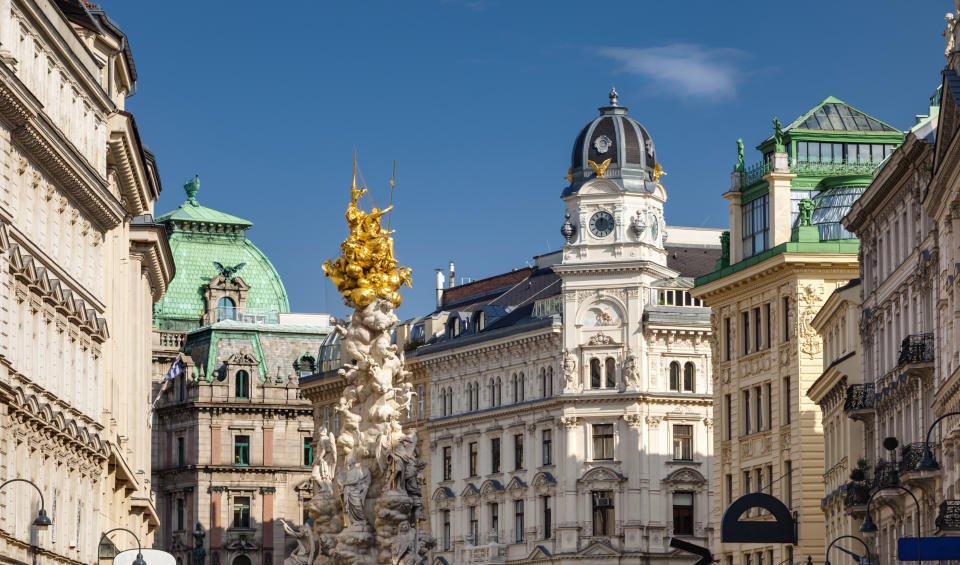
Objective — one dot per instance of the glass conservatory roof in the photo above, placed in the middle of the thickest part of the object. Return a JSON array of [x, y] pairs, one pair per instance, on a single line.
[[834, 115]]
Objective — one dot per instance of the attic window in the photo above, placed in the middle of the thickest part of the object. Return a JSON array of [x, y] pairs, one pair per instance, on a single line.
[[677, 297], [479, 321]]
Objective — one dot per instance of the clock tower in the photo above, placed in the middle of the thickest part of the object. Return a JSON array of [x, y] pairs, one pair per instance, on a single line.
[[614, 201]]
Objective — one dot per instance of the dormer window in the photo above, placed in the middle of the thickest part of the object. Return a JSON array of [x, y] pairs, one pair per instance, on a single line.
[[677, 297], [479, 321], [226, 309]]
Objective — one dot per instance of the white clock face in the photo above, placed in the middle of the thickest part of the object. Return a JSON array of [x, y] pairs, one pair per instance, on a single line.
[[601, 224]]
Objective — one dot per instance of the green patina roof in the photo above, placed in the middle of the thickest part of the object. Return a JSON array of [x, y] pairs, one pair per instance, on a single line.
[[200, 236]]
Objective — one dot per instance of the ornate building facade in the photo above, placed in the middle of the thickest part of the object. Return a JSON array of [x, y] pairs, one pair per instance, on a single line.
[[81, 263], [570, 402], [787, 254], [233, 437], [895, 395]]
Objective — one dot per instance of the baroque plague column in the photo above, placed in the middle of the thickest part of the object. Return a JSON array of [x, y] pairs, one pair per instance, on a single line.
[[367, 501]]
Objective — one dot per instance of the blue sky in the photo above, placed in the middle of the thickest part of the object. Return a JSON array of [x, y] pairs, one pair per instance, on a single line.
[[479, 103]]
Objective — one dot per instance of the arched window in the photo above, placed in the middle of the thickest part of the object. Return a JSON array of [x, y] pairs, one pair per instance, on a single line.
[[443, 401], [499, 391], [479, 321], [549, 381], [543, 382], [596, 379], [226, 309], [493, 394], [242, 384], [469, 402], [449, 400], [476, 396], [674, 376], [516, 396], [241, 560], [689, 377], [610, 370], [523, 386]]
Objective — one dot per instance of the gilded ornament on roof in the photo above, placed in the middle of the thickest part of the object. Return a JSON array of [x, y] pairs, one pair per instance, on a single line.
[[367, 268]]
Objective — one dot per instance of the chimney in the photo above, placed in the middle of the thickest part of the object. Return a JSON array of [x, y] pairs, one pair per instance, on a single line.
[[452, 278], [439, 288]]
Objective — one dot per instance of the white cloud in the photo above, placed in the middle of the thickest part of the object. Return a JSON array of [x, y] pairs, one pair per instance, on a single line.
[[683, 68]]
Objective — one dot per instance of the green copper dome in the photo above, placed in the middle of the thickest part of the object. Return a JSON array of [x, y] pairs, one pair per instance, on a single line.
[[200, 239]]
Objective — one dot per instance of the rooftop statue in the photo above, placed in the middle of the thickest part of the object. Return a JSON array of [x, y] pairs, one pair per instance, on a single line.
[[778, 136], [367, 500], [950, 34], [740, 166]]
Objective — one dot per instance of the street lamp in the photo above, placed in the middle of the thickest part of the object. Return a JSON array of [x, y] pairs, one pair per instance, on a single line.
[[869, 527], [927, 462], [42, 522], [139, 560], [863, 543]]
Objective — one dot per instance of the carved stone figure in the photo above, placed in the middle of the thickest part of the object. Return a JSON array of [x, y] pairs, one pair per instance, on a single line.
[[777, 135], [806, 212], [631, 373], [949, 34], [570, 380], [325, 461], [199, 553], [306, 548], [740, 165], [354, 486]]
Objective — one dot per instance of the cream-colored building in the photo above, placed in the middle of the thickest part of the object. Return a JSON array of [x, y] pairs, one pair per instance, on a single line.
[[838, 323], [81, 264], [787, 255]]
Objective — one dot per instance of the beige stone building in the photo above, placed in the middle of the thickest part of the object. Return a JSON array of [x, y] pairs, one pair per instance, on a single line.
[[838, 323], [81, 264], [233, 436], [787, 255]]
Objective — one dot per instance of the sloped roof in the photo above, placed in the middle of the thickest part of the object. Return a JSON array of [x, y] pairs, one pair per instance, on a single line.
[[834, 114]]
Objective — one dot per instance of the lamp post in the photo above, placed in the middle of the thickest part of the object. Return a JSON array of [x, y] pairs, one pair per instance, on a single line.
[[927, 462], [139, 560], [868, 527], [838, 538], [42, 521]]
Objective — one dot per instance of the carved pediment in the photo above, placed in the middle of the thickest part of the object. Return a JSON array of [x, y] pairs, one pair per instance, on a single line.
[[544, 478], [490, 486], [539, 552], [470, 490], [221, 282], [602, 474], [241, 543], [516, 484], [242, 358], [443, 493], [685, 475], [598, 549]]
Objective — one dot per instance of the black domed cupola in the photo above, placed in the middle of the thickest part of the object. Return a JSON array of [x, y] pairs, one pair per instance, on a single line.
[[614, 136]]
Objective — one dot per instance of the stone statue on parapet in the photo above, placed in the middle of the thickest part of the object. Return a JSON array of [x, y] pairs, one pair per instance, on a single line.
[[950, 34]]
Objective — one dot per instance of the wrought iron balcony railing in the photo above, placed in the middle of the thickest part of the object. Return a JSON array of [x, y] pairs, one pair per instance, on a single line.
[[833, 168], [858, 493], [911, 454], [886, 474], [917, 348], [859, 397], [755, 172], [948, 518]]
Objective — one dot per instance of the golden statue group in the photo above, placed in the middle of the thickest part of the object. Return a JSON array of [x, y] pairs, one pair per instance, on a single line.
[[367, 500]]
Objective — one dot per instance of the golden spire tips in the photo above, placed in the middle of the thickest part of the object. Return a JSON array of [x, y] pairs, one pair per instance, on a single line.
[[353, 185]]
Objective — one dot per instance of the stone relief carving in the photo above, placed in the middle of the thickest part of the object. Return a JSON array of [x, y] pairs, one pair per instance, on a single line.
[[654, 421], [631, 372], [571, 381], [600, 339], [569, 422], [809, 300], [634, 421]]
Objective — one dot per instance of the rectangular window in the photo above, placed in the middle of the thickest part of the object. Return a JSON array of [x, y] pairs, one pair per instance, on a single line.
[[547, 441], [495, 455], [420, 402], [241, 450], [241, 512], [728, 495], [547, 518], [446, 530], [728, 404], [757, 330], [788, 484], [768, 398], [726, 338], [473, 458], [769, 483], [745, 409], [181, 453], [758, 478], [683, 442], [745, 329], [180, 514], [683, 513], [755, 226], [603, 442], [494, 509], [326, 417], [746, 482], [518, 520], [786, 318], [603, 513], [786, 400], [336, 423], [518, 451], [447, 463], [759, 406], [767, 311], [473, 527], [308, 452]]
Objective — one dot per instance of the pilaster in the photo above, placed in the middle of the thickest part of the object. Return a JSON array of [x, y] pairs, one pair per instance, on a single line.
[[736, 235], [779, 213]]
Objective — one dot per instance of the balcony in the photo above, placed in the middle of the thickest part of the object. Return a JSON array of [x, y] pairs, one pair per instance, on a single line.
[[859, 402], [916, 350], [948, 518], [857, 495], [168, 341], [910, 455], [248, 315], [886, 474]]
